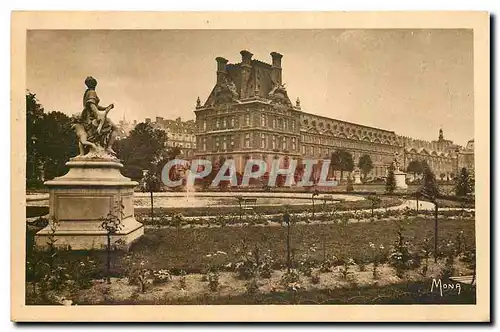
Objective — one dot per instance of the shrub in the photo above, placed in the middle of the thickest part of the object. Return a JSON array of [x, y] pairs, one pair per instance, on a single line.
[[377, 257], [315, 278], [426, 252], [252, 287], [400, 257], [177, 220], [291, 280], [161, 276], [449, 254], [344, 270], [182, 280], [326, 266], [306, 264], [265, 268], [252, 264], [213, 281], [361, 265]]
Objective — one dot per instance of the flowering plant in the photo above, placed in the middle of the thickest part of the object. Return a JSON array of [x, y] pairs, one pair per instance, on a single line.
[[291, 280], [161, 276]]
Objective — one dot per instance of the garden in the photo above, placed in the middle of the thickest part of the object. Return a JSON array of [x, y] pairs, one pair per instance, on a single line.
[[350, 253]]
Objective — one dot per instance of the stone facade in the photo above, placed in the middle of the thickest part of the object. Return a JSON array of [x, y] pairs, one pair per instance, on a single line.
[[124, 128], [180, 134], [248, 114]]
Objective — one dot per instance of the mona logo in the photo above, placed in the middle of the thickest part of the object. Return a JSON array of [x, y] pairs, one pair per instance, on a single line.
[[446, 287]]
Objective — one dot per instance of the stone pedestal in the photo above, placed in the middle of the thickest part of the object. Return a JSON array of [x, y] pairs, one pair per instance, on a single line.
[[79, 201], [400, 180], [357, 178]]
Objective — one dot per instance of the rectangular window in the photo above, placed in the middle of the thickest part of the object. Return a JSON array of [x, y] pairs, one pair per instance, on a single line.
[[232, 122], [247, 119], [204, 125], [247, 140], [274, 123], [283, 143], [217, 123], [232, 142], [293, 125], [224, 144], [303, 149], [294, 147], [217, 143], [224, 123], [262, 141], [274, 142]]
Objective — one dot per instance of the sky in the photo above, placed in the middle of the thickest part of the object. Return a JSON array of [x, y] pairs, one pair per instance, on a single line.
[[410, 81]]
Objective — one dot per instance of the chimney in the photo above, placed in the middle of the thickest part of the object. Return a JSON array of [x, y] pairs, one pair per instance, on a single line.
[[246, 67], [246, 57], [276, 70], [221, 68]]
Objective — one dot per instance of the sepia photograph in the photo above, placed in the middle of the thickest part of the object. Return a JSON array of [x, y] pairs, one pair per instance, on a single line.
[[239, 166]]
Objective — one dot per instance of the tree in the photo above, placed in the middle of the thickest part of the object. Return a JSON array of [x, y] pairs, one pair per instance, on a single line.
[[342, 160], [152, 183], [34, 117], [390, 183], [58, 144], [365, 164], [442, 176], [464, 184], [415, 167], [335, 162], [429, 187], [50, 142], [144, 149]]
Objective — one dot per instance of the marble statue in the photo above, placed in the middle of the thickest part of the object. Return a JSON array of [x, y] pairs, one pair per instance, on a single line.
[[95, 131], [83, 198], [396, 163]]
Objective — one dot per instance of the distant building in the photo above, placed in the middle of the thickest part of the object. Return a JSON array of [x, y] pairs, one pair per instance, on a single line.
[[466, 157], [124, 128], [249, 115], [180, 134]]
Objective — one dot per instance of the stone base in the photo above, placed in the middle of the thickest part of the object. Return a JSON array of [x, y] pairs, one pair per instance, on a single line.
[[89, 235], [357, 179], [79, 201], [400, 180]]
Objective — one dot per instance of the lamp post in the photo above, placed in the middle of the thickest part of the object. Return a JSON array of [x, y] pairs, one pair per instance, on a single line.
[[457, 151]]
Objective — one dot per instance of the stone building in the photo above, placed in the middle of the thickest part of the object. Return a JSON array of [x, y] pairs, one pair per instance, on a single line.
[[180, 134], [466, 157], [249, 114], [124, 127]]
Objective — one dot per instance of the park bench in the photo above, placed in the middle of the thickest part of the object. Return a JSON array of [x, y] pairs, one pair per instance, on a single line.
[[246, 200], [469, 280]]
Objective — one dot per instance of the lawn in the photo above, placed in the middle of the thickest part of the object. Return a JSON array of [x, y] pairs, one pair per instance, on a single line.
[[144, 212], [187, 248]]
